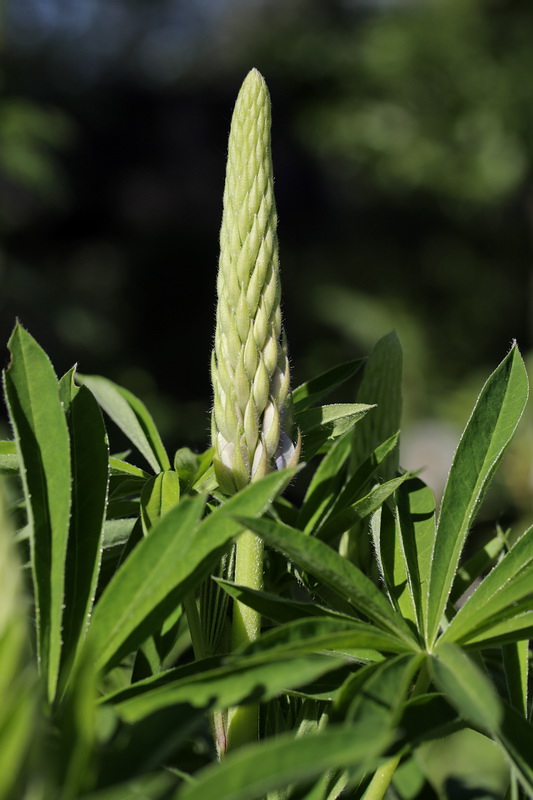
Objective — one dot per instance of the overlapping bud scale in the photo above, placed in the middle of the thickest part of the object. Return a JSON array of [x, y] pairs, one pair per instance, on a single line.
[[250, 368]]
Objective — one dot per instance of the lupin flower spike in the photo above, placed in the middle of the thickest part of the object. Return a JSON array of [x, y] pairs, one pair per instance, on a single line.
[[250, 368]]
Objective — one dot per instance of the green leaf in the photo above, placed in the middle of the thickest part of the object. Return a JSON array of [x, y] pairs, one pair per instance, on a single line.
[[326, 633], [119, 467], [476, 701], [508, 583], [498, 631], [476, 565], [146, 787], [334, 526], [90, 474], [382, 385], [336, 572], [159, 495], [325, 483], [18, 689], [317, 425], [41, 435], [416, 533], [242, 681], [252, 771], [163, 568], [391, 560], [274, 607], [316, 389], [467, 687], [493, 421], [131, 416], [516, 668], [142, 584], [375, 694], [9, 464]]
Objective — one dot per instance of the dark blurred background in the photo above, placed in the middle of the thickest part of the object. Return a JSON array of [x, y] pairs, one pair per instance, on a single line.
[[403, 154]]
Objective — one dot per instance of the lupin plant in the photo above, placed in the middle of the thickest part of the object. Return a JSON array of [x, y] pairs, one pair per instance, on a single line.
[[251, 419], [366, 651]]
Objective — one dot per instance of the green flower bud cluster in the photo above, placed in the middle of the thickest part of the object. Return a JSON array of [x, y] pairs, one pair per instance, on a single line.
[[250, 368]]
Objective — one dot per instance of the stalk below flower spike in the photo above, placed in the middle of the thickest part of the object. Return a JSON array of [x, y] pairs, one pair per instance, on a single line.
[[250, 368]]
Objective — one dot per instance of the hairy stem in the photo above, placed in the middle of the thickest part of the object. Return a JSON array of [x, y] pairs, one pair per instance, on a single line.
[[243, 722]]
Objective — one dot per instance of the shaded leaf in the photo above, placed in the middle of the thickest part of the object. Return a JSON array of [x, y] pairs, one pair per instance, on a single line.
[[493, 421], [382, 385], [252, 771], [240, 682], [90, 473], [335, 571], [42, 440], [316, 389], [131, 416]]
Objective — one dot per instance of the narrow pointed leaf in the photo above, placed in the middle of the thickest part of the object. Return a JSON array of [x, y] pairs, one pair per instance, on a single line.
[[416, 533], [253, 771], [42, 440], [508, 583], [467, 687], [159, 495], [382, 385], [247, 681], [317, 425], [325, 482], [316, 389], [326, 633], [475, 699], [90, 475], [276, 608], [493, 421], [513, 629], [131, 416], [334, 526], [333, 570], [516, 668], [163, 568], [142, 584]]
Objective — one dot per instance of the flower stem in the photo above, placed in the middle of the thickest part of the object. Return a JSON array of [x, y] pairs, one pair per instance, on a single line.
[[243, 722], [381, 781]]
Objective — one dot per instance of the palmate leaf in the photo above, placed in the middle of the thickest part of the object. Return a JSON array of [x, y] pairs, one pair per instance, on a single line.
[[469, 690], [42, 440], [253, 771], [334, 571], [90, 475], [510, 582], [493, 421], [131, 416], [165, 566], [241, 681]]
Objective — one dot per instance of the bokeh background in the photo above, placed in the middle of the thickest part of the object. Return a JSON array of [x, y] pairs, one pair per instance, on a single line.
[[403, 154]]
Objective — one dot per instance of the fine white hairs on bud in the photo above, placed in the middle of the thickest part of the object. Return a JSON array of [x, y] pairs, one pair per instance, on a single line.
[[249, 367]]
